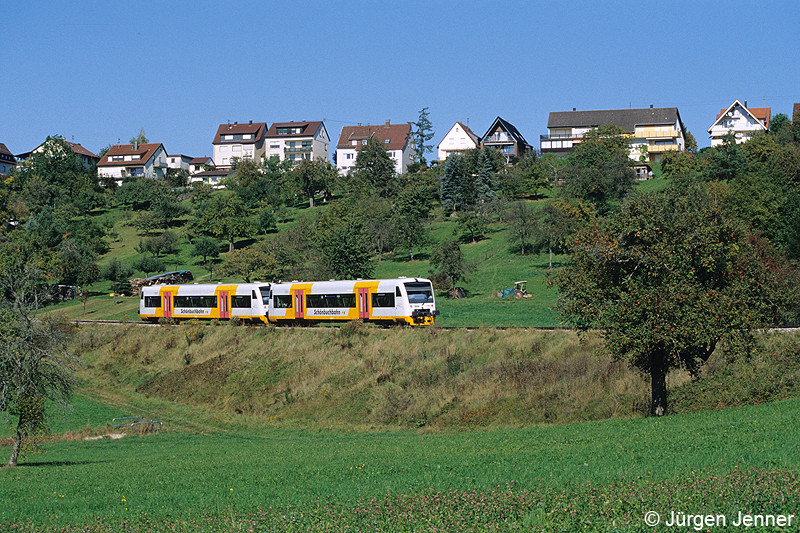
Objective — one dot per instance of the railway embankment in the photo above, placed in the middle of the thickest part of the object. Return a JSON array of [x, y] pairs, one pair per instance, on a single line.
[[361, 377]]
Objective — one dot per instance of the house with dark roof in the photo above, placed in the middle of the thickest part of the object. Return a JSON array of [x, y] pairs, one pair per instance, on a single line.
[[396, 138], [458, 140], [504, 136], [88, 158], [243, 141], [651, 131], [297, 141], [7, 160], [134, 160], [742, 121], [199, 164]]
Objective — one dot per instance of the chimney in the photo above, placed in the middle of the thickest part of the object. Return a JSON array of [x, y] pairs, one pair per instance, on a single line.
[[388, 122], [574, 109], [251, 122], [745, 104], [135, 144], [651, 106]]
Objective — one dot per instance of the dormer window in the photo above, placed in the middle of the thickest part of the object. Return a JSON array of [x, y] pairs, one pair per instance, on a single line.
[[386, 141], [283, 131]]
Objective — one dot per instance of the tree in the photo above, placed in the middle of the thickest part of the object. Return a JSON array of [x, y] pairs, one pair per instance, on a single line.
[[250, 263], [312, 178], [485, 182], [666, 279], [149, 264], [556, 223], [35, 364], [207, 249], [411, 210], [449, 262], [422, 134], [140, 138], [522, 219], [118, 275], [225, 215], [452, 192], [599, 169], [375, 166]]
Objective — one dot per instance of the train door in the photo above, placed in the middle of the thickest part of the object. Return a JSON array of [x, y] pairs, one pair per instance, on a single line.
[[166, 304], [299, 308], [224, 310], [363, 303]]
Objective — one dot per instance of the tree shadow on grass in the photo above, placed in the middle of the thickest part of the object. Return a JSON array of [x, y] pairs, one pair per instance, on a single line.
[[60, 463]]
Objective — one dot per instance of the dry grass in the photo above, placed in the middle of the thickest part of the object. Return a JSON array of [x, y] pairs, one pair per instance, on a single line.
[[365, 377]]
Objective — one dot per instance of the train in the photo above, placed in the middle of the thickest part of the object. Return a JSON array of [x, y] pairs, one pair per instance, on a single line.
[[405, 301]]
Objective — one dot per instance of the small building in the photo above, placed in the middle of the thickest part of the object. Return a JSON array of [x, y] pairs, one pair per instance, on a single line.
[[396, 138], [243, 141], [134, 160], [199, 164], [179, 162], [740, 120], [458, 140], [504, 136], [297, 141], [7, 160]]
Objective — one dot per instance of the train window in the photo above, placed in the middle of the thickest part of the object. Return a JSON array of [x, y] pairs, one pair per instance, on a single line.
[[331, 300], [382, 299], [419, 292], [240, 302], [265, 293], [195, 301], [152, 301], [282, 302]]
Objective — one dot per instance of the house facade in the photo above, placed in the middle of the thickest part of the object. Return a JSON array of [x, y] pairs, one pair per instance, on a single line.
[[199, 164], [458, 140], [651, 132], [88, 159], [396, 138], [297, 141], [740, 120], [179, 162], [7, 160], [243, 141], [134, 160], [504, 136]]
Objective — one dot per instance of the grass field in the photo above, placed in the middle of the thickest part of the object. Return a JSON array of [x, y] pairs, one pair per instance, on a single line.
[[601, 476]]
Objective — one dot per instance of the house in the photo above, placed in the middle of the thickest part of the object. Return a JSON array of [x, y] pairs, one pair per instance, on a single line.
[[297, 141], [740, 120], [458, 140], [245, 141], [651, 131], [211, 177], [199, 164], [7, 160], [396, 138], [134, 160], [505, 137], [88, 159], [179, 162]]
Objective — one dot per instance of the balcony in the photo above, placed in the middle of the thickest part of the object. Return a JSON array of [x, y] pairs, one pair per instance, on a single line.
[[298, 150], [655, 133], [661, 148]]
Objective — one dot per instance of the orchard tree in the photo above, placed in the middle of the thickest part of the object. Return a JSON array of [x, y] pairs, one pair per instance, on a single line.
[[207, 249], [666, 279], [225, 215], [449, 262], [35, 364], [250, 263], [556, 223], [313, 177], [374, 166]]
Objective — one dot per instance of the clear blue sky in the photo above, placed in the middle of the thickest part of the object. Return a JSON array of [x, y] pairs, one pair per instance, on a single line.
[[97, 72]]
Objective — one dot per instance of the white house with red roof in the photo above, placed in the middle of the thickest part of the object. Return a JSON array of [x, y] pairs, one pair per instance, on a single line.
[[396, 138], [742, 121], [458, 140], [297, 141], [199, 164], [134, 160], [243, 141]]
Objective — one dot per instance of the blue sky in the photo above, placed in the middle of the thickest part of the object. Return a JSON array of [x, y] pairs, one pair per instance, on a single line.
[[97, 72]]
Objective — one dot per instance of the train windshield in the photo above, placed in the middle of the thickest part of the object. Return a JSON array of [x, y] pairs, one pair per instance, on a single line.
[[419, 292], [265, 294]]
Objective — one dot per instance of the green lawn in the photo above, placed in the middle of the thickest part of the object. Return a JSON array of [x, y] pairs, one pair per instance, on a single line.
[[598, 476]]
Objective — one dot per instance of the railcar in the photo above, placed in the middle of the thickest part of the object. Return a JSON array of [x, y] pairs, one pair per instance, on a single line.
[[388, 301], [248, 301]]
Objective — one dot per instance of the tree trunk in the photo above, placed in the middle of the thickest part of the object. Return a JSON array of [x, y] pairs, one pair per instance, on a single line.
[[551, 259], [658, 384], [15, 448], [230, 245], [310, 201]]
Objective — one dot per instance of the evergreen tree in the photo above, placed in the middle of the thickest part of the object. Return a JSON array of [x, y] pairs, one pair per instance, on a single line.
[[422, 134]]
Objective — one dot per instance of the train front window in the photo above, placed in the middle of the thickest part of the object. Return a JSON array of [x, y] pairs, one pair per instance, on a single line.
[[419, 292]]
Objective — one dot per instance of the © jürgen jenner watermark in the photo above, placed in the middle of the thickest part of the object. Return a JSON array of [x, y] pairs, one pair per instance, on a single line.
[[701, 521]]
